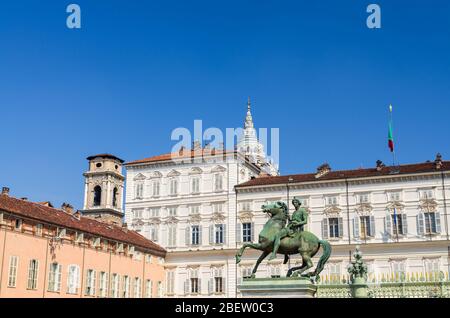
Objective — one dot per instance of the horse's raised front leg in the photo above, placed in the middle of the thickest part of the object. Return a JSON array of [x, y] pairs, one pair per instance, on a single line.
[[260, 259], [256, 246], [306, 261]]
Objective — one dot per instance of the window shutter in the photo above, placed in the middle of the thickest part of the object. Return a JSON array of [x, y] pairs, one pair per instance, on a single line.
[[199, 286], [404, 223], [224, 288], [356, 226], [252, 231], [211, 234], [420, 229], [325, 228], [210, 286], [186, 287], [438, 222], [59, 278], [238, 232], [188, 236], [200, 235], [341, 227], [224, 226], [372, 226], [388, 223]]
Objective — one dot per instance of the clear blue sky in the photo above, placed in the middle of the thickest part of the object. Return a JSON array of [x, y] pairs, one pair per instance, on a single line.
[[138, 69]]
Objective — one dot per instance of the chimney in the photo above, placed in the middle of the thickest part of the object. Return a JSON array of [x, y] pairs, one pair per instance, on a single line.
[[322, 170], [77, 215], [5, 190], [24, 199], [66, 207], [380, 165], [438, 161], [124, 227]]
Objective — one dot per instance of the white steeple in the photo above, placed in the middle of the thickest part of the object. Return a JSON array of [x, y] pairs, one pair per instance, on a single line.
[[251, 147]]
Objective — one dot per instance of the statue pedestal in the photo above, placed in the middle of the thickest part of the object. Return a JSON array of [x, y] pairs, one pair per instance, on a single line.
[[284, 287]]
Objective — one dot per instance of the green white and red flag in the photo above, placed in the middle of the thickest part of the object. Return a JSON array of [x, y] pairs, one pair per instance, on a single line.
[[390, 135]]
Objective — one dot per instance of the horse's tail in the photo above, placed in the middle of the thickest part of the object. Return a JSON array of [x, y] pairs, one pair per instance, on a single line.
[[324, 258]]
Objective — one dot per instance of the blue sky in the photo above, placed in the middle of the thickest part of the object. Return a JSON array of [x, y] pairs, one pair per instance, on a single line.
[[138, 69]]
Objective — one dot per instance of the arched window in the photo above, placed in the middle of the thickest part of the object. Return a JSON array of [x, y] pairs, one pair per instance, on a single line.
[[114, 197], [97, 195]]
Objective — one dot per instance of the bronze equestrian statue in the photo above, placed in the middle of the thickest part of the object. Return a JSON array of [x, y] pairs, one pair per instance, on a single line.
[[276, 237]]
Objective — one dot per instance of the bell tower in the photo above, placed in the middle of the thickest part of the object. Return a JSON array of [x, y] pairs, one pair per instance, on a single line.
[[103, 189]]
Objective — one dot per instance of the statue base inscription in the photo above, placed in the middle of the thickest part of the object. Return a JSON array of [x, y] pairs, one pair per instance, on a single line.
[[284, 287]]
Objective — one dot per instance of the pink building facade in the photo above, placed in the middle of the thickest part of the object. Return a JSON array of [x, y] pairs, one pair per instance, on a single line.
[[56, 253]]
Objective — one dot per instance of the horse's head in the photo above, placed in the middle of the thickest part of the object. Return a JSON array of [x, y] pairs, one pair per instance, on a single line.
[[275, 208]]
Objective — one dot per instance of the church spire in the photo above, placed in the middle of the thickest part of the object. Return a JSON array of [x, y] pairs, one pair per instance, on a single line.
[[248, 119]]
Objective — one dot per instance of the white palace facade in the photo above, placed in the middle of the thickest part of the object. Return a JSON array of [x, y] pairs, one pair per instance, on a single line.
[[201, 204]]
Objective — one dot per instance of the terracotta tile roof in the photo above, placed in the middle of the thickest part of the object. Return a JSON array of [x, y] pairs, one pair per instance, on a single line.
[[61, 218], [347, 174], [105, 155], [186, 154]]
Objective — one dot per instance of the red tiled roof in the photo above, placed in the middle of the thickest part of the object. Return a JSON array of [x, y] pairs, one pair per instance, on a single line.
[[61, 218], [188, 153], [348, 174]]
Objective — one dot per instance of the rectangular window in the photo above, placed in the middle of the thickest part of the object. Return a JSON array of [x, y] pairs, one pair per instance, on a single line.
[[33, 270], [115, 278], [148, 289], [363, 198], [430, 222], [333, 224], [103, 285], [137, 288], [195, 235], [217, 207], [12, 272], [246, 206], [154, 212], [194, 209], [218, 182], [73, 279], [195, 185], [218, 285], [156, 188], [138, 213], [1, 217], [90, 282], [172, 211], [18, 224], [60, 232], [80, 237], [170, 282], [173, 190], [394, 196], [54, 278], [398, 267], [172, 235], [160, 289], [194, 285], [427, 194], [154, 232], [38, 229], [126, 287], [397, 224], [246, 232], [332, 200], [275, 271], [139, 191], [219, 233], [365, 227]]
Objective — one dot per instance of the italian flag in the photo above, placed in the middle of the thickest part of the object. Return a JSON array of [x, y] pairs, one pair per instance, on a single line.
[[390, 136]]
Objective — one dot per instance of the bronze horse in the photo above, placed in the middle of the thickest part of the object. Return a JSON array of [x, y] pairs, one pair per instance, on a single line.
[[304, 243]]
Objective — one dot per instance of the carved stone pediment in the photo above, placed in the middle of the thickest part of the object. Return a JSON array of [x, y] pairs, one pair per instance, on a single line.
[[397, 205], [194, 218], [332, 210], [218, 217], [154, 220], [171, 219], [363, 208], [428, 205], [140, 176], [245, 216], [137, 222]]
